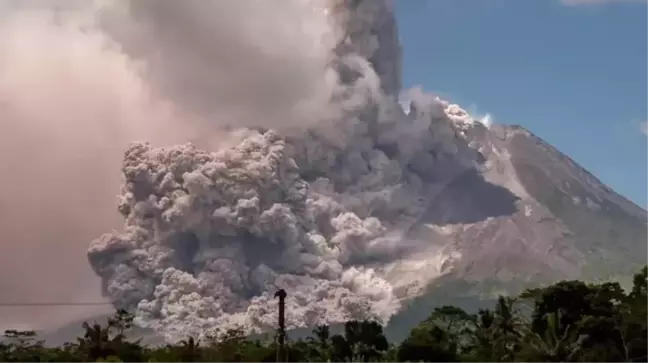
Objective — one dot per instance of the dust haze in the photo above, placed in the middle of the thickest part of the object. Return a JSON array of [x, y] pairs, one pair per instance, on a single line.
[[80, 81]]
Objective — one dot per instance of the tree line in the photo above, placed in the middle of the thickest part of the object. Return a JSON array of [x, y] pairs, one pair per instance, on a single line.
[[569, 321]]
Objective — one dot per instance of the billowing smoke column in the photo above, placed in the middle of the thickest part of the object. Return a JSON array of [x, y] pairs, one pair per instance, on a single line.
[[210, 236]]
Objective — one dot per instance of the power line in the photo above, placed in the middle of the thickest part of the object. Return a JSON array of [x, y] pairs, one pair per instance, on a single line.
[[20, 304]]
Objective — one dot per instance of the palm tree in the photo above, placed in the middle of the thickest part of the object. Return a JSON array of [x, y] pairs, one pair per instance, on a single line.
[[189, 350], [493, 334], [483, 339], [558, 343], [321, 342], [365, 339], [110, 340], [96, 342], [507, 328]]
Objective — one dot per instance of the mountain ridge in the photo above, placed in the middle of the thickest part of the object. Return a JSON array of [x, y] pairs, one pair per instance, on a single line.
[[606, 187], [570, 250]]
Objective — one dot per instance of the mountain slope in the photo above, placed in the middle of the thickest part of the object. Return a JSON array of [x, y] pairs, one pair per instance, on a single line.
[[551, 220], [607, 228], [524, 216]]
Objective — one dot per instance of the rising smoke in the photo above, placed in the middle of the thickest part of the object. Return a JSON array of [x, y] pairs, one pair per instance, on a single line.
[[305, 174]]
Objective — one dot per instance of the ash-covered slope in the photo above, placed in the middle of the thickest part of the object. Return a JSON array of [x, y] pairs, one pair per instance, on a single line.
[[551, 219], [607, 228], [354, 216], [547, 220]]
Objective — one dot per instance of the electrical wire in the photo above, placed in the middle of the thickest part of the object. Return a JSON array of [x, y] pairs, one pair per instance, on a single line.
[[21, 304]]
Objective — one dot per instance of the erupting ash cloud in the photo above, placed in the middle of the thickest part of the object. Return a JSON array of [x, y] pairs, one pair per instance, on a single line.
[[305, 174], [250, 63]]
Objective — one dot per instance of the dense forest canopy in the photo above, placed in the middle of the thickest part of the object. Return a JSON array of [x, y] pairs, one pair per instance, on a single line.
[[567, 321]]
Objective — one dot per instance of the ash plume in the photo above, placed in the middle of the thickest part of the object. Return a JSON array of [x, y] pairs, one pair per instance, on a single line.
[[71, 100], [209, 236], [303, 171]]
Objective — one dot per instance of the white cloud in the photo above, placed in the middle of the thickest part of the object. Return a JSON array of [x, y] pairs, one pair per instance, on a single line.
[[486, 120], [595, 2], [644, 127]]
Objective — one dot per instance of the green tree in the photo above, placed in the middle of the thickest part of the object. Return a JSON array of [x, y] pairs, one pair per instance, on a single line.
[[365, 339], [428, 343], [633, 316], [21, 346], [558, 343], [189, 350], [104, 341], [506, 329], [602, 315]]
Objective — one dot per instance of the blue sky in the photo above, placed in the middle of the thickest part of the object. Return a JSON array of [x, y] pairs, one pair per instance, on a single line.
[[575, 75]]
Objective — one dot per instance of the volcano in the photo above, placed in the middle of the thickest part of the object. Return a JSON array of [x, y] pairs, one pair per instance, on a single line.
[[392, 199]]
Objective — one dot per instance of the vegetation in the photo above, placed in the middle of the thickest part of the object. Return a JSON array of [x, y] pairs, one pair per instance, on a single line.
[[570, 321]]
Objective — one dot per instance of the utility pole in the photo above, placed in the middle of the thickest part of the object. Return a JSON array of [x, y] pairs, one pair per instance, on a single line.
[[281, 333]]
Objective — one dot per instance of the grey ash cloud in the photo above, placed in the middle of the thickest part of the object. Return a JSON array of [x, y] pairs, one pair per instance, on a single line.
[[303, 171]]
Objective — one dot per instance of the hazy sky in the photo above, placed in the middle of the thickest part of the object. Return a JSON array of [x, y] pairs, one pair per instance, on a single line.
[[572, 72], [74, 95]]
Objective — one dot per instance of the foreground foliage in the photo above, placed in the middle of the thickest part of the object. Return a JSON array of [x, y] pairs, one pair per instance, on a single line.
[[569, 321]]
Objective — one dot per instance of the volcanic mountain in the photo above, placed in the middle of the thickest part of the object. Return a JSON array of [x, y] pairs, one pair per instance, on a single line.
[[386, 204], [527, 217], [528, 212]]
